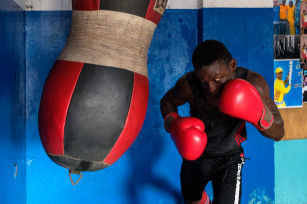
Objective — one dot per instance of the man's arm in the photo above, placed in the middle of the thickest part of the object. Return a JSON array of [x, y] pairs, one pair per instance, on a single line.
[[186, 132], [176, 96], [283, 89], [276, 130]]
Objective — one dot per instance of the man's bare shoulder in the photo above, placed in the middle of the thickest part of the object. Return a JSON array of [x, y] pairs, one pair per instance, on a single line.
[[258, 81], [183, 90]]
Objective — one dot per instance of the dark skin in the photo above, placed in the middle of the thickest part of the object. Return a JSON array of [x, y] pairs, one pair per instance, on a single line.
[[213, 78], [275, 3], [279, 76], [283, 3]]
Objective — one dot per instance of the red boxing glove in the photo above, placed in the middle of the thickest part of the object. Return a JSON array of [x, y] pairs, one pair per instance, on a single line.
[[240, 99], [188, 135]]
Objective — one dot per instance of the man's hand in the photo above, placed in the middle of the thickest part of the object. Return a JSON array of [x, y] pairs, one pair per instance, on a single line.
[[240, 99], [188, 135]]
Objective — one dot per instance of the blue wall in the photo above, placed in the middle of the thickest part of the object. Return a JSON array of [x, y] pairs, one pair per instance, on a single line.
[[247, 33], [290, 172], [12, 105], [149, 171]]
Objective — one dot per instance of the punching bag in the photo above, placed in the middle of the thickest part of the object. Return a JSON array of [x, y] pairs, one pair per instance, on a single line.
[[95, 97]]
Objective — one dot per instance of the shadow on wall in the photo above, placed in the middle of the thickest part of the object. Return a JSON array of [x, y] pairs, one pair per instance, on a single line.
[[144, 159], [155, 160]]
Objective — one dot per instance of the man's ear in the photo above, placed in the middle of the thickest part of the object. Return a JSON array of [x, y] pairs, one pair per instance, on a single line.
[[233, 64]]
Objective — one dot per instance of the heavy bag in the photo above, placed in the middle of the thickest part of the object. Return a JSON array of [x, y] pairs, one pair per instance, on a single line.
[[95, 97]]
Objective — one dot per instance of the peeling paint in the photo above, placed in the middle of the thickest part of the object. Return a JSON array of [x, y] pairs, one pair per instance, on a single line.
[[259, 196], [30, 161]]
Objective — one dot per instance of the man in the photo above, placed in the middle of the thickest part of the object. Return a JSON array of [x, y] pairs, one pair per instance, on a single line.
[[291, 17], [283, 15], [276, 11], [279, 52], [279, 88], [304, 52], [297, 16], [222, 97], [305, 89], [304, 22]]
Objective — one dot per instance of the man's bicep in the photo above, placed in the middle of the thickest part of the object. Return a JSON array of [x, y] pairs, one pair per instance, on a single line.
[[182, 90], [276, 131], [175, 97], [260, 84], [170, 102], [263, 88]]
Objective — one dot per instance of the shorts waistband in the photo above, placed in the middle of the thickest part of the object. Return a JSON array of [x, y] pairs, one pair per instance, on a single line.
[[222, 156]]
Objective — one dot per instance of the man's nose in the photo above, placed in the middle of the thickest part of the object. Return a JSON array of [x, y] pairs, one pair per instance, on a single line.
[[211, 87]]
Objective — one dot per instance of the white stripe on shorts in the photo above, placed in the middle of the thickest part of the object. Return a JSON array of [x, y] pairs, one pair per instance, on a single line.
[[237, 195]]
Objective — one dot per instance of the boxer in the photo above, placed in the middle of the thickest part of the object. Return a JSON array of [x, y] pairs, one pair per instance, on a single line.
[[222, 98]]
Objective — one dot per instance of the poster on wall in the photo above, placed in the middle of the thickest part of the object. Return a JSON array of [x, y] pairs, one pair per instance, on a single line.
[[304, 86], [303, 39], [286, 17], [304, 65], [286, 47], [303, 20], [289, 55], [288, 83]]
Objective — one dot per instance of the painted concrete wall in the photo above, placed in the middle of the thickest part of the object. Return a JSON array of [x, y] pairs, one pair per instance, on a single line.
[[149, 171], [233, 27], [143, 174], [12, 104], [290, 172]]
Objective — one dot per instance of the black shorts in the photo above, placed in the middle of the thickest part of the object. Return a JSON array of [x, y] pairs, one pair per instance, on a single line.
[[225, 174]]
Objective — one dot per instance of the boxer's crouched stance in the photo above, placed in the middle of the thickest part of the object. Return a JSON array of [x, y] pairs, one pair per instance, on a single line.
[[222, 98]]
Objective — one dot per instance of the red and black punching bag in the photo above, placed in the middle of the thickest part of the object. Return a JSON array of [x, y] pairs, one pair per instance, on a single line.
[[95, 98]]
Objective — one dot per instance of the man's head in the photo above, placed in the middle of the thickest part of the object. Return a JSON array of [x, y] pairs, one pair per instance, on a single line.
[[304, 12], [213, 65], [275, 3], [290, 3], [283, 2], [279, 73]]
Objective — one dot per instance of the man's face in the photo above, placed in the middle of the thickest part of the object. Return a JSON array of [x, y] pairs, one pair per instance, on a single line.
[[215, 76], [283, 2], [275, 3], [279, 75], [290, 3]]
